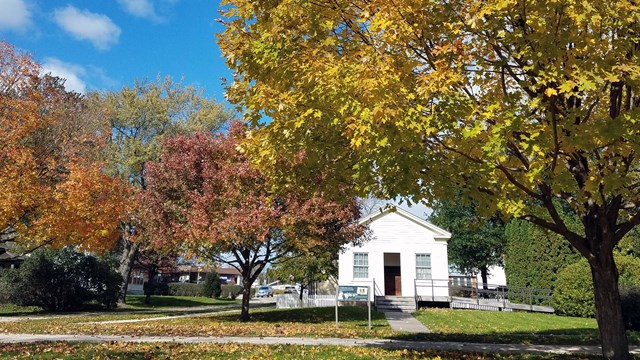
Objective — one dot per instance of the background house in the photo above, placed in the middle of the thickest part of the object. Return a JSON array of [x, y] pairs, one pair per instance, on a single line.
[[183, 273], [405, 255], [9, 260]]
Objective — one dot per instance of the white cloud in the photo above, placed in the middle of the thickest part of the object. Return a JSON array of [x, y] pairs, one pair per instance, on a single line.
[[71, 72], [15, 15], [140, 8], [85, 25]]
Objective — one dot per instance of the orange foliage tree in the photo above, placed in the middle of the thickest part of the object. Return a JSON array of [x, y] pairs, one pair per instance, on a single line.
[[53, 191]]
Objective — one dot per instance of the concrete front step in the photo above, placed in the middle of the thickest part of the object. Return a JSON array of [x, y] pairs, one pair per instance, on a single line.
[[395, 303]]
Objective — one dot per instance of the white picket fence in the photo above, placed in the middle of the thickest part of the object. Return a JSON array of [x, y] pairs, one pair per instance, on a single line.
[[289, 301]]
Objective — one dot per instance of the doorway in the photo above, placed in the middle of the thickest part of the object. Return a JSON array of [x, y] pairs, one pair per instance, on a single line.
[[392, 274]]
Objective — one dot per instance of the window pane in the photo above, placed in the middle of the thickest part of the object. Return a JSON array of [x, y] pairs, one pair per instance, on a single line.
[[360, 272], [360, 265], [423, 260], [423, 266]]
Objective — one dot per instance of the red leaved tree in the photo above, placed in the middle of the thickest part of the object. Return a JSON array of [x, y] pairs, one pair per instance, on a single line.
[[205, 196]]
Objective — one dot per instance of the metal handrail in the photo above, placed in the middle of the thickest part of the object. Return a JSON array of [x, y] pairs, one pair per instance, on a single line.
[[532, 296]]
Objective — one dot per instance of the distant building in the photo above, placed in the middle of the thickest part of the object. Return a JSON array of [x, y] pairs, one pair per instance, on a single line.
[[183, 273], [9, 260]]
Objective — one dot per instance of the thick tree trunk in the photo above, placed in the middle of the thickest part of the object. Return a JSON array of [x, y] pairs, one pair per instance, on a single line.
[[129, 253], [246, 296], [484, 275], [608, 309]]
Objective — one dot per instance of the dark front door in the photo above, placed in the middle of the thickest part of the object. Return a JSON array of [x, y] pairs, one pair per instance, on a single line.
[[392, 281]]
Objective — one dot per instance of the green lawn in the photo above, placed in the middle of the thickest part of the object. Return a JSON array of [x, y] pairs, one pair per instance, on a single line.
[[137, 301], [510, 327], [12, 310], [445, 324], [236, 351], [315, 322]]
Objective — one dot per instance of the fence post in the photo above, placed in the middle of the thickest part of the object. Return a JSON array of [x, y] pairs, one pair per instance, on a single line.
[[433, 293], [504, 297], [531, 299]]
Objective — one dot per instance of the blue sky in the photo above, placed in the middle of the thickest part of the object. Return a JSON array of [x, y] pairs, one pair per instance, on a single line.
[[104, 45]]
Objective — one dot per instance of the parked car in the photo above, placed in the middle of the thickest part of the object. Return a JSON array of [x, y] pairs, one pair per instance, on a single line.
[[264, 291], [290, 290]]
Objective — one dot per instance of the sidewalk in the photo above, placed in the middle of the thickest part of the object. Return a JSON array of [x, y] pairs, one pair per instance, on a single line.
[[405, 322], [380, 343]]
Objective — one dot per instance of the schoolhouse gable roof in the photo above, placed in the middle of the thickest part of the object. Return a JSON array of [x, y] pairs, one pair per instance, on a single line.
[[438, 232]]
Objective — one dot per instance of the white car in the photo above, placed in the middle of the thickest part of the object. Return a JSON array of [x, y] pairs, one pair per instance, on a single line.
[[264, 291]]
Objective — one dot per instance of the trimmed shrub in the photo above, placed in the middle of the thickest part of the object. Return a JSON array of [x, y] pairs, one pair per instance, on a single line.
[[185, 289], [232, 291], [8, 282], [630, 298], [573, 293], [63, 280], [211, 286], [155, 288]]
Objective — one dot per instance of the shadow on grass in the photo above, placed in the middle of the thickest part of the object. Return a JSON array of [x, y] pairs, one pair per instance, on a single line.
[[309, 315], [556, 337], [175, 301]]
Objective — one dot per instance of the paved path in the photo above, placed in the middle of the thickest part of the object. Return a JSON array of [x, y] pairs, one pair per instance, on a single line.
[[401, 321], [379, 343]]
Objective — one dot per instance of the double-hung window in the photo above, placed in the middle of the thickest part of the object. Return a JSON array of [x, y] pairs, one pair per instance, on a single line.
[[360, 265], [423, 266]]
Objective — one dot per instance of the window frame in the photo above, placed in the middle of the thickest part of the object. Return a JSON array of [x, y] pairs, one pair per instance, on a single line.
[[359, 269], [429, 267]]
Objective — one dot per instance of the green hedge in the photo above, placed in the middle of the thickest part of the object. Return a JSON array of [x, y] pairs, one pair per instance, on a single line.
[[573, 293], [233, 291], [185, 289], [189, 289], [535, 256]]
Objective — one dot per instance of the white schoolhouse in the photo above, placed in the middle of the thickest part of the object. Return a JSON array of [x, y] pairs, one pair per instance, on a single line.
[[405, 254]]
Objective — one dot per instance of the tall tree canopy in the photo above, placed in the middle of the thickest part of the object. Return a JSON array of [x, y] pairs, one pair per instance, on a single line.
[[477, 243], [520, 102], [205, 197], [140, 117], [54, 192]]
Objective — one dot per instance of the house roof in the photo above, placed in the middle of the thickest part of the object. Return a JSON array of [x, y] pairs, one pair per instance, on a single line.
[[438, 232], [9, 256]]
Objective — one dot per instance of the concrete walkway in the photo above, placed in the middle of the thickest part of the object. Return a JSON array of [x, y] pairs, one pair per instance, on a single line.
[[378, 343], [401, 321]]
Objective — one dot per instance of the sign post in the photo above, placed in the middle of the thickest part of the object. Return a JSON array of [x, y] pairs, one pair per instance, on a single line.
[[353, 293]]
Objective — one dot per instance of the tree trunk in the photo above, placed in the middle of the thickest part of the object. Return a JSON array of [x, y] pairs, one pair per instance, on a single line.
[[302, 287], [246, 296], [484, 275], [129, 253], [151, 288], [608, 309]]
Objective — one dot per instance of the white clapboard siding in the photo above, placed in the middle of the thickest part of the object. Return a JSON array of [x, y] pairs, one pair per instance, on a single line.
[[395, 231]]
